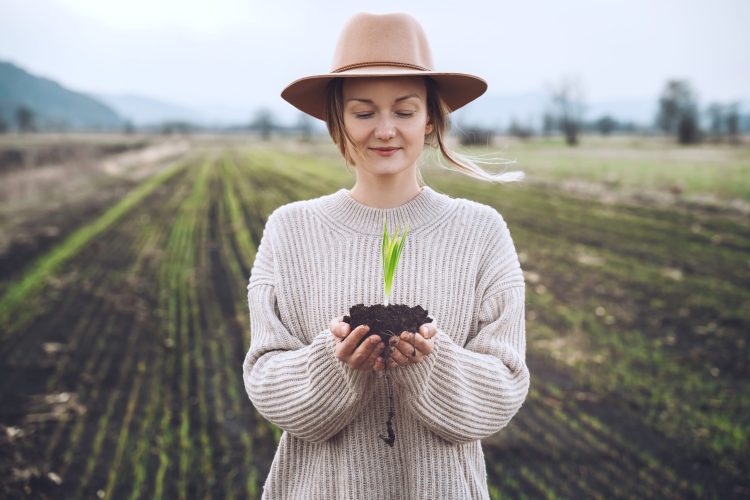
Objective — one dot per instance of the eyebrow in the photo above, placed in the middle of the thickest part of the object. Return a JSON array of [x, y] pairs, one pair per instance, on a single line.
[[398, 99]]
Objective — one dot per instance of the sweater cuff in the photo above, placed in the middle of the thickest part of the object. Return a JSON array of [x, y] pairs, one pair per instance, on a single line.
[[414, 378], [357, 380]]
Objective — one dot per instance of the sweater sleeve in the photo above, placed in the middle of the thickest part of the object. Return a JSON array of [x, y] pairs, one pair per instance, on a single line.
[[465, 393], [303, 389]]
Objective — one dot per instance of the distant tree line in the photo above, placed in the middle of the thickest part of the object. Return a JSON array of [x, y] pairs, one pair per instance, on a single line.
[[678, 114]]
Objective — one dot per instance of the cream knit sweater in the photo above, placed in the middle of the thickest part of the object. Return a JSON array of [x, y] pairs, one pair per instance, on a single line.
[[319, 257]]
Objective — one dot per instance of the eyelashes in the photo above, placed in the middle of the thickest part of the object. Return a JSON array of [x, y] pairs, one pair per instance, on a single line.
[[367, 115]]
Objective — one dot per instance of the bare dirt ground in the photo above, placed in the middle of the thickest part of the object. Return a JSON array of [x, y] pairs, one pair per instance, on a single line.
[[42, 202]]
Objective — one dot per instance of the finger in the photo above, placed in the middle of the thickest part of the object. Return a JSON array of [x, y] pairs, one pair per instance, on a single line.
[[363, 352], [335, 324], [418, 342], [428, 330], [380, 364], [332, 324], [372, 361], [399, 357], [349, 344], [403, 347], [406, 353], [341, 330], [424, 345]]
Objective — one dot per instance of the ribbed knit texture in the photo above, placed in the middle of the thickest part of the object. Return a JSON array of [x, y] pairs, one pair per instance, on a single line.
[[319, 257]]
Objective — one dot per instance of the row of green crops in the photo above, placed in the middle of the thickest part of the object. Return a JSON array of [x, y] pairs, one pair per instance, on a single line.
[[635, 324]]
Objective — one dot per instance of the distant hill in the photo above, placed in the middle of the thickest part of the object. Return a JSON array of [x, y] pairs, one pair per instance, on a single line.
[[54, 107], [144, 111]]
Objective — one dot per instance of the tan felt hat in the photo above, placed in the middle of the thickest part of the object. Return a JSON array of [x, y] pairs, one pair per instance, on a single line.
[[382, 45]]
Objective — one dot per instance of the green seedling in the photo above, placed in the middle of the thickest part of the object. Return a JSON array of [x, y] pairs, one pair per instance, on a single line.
[[392, 248]]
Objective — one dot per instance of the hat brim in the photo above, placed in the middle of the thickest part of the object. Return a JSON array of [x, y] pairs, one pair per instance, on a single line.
[[308, 93]]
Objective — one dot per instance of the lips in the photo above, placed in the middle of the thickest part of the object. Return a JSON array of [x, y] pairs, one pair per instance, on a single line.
[[385, 151]]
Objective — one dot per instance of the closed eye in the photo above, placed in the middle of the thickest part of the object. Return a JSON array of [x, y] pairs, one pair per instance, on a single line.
[[367, 115]]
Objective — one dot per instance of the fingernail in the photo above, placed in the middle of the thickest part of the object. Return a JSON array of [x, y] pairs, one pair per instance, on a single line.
[[423, 330]]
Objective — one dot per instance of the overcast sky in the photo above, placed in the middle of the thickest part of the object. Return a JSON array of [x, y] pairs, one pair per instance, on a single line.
[[242, 53]]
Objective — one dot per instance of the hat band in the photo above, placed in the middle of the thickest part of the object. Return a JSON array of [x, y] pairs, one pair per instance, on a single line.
[[378, 63]]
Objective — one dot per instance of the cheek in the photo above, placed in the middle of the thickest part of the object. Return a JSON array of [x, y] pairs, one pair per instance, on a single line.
[[355, 129], [417, 131]]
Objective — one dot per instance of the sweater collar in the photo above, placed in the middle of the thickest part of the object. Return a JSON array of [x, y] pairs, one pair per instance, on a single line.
[[424, 208]]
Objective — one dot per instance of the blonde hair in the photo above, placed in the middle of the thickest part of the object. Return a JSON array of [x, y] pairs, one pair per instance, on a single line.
[[437, 113]]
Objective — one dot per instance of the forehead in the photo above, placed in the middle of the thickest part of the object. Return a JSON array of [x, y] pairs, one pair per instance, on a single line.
[[384, 87]]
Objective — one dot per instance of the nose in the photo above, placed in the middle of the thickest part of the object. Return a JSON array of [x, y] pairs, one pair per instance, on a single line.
[[385, 129]]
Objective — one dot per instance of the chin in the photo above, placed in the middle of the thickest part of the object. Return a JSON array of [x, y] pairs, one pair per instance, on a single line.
[[387, 168]]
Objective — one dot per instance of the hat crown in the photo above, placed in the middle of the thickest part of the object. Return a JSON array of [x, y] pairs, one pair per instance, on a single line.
[[395, 39]]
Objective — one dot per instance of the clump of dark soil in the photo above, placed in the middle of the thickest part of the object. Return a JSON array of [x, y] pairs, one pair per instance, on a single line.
[[387, 321]]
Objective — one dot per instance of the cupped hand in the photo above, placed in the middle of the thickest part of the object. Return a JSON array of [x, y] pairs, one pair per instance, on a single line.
[[409, 348], [360, 357]]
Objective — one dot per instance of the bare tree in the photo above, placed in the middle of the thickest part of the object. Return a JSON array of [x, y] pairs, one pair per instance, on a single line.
[[605, 124], [517, 130], [724, 121], [568, 104], [263, 122], [678, 112]]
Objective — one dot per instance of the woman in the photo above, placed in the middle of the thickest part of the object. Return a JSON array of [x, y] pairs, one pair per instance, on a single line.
[[382, 102]]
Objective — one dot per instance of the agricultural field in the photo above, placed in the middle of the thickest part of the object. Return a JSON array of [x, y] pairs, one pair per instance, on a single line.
[[51, 184], [122, 341]]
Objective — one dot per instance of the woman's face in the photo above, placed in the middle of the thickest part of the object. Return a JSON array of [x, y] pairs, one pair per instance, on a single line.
[[387, 118]]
